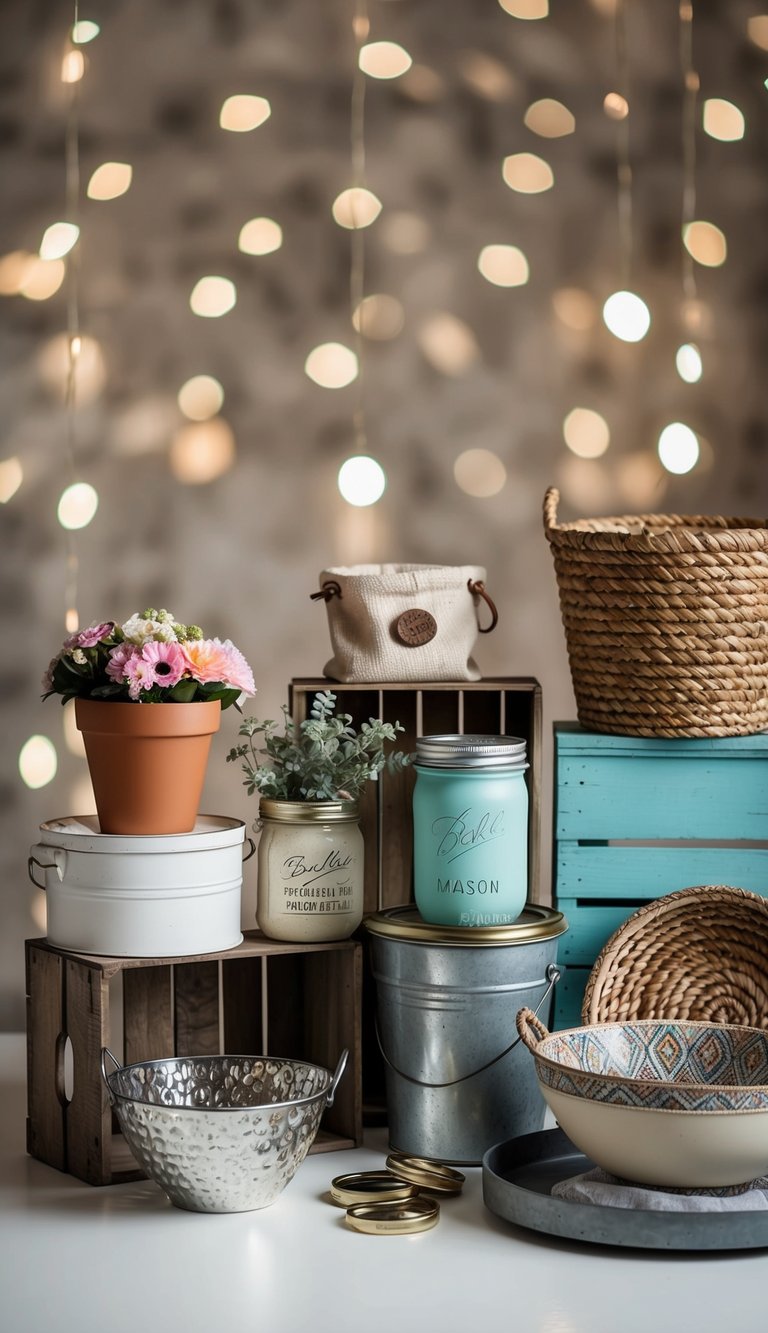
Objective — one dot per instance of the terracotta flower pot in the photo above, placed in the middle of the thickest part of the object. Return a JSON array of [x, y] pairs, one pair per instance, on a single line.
[[147, 762]]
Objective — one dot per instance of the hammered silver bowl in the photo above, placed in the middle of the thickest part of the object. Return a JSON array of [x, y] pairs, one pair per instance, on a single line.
[[220, 1133]]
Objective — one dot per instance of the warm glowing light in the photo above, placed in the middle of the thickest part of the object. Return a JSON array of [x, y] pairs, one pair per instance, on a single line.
[[549, 119], [448, 344], [58, 240], [384, 60], [110, 180], [356, 207], [243, 113], [42, 279], [202, 452], [77, 506], [705, 243], [678, 448], [480, 473], [503, 265], [586, 433], [422, 84], [14, 267], [526, 9], [11, 477], [575, 308], [688, 362], [81, 797], [73, 738], [757, 30], [615, 106], [331, 365], [641, 479], [84, 31], [723, 120], [89, 368], [72, 67], [213, 297], [379, 317], [201, 397], [72, 620], [486, 76], [527, 173], [361, 481], [627, 316], [585, 484], [38, 762], [405, 233], [260, 236]]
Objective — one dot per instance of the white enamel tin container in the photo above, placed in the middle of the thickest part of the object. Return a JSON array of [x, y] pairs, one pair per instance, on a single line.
[[164, 896]]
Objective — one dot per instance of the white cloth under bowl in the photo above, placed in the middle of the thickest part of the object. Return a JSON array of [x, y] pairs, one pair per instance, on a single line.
[[597, 1186]]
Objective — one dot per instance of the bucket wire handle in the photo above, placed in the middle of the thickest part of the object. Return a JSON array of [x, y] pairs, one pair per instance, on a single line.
[[531, 1029], [41, 865], [553, 975], [105, 1051], [336, 1080]]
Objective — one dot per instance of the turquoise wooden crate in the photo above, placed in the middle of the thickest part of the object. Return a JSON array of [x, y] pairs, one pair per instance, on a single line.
[[638, 818]]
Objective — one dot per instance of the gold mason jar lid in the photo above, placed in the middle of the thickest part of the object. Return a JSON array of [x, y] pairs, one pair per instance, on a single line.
[[404, 923], [401, 1218], [370, 1187], [309, 812], [432, 1176]]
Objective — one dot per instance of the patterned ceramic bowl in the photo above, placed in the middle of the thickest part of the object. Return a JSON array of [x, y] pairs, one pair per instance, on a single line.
[[220, 1133], [663, 1103]]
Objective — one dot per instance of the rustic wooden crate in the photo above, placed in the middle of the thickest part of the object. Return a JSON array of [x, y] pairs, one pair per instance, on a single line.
[[637, 818], [300, 1001], [504, 707]]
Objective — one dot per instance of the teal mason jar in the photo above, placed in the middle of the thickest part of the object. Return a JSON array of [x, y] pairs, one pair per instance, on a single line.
[[470, 830]]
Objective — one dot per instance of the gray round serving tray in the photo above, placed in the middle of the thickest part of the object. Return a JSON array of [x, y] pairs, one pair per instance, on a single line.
[[518, 1176]]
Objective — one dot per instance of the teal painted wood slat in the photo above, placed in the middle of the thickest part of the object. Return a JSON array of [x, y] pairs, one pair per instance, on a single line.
[[647, 872], [569, 994], [654, 798], [589, 928], [571, 739]]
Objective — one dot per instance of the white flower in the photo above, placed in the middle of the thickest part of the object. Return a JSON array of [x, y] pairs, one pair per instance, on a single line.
[[79, 657], [140, 631]]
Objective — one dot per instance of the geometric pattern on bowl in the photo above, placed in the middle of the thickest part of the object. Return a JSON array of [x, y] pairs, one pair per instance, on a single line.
[[220, 1133], [663, 1065]]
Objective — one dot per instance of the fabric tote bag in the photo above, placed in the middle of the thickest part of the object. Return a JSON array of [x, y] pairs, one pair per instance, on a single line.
[[404, 622]]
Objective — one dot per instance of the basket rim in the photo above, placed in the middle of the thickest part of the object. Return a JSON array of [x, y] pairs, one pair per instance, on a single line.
[[678, 532]]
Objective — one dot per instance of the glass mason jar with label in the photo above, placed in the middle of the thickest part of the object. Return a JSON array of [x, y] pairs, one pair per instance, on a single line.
[[470, 830], [310, 870]]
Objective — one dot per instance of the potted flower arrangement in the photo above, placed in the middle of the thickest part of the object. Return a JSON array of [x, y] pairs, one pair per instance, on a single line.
[[147, 763], [310, 779]]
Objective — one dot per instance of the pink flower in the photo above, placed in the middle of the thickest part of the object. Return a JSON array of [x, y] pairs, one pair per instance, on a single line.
[[211, 660], [139, 674], [119, 658], [167, 661], [88, 638]]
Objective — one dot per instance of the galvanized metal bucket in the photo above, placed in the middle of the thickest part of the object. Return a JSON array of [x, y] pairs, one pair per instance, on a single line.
[[458, 1080]]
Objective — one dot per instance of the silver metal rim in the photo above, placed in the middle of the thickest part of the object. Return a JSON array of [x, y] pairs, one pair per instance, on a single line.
[[216, 1110]]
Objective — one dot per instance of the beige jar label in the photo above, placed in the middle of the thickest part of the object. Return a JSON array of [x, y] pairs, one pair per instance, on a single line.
[[323, 886]]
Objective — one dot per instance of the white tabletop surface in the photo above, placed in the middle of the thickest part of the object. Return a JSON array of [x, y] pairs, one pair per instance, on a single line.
[[74, 1259]]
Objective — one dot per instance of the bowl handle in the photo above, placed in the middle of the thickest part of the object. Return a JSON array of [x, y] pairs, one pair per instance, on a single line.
[[335, 1081], [531, 1028], [105, 1051]]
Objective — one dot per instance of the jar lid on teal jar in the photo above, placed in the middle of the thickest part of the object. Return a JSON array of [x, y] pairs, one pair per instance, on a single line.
[[456, 751]]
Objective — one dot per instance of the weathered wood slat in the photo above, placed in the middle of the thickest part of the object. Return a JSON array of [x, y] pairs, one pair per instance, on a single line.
[[647, 872], [46, 1118], [196, 991], [147, 1014], [242, 1005], [89, 1115]]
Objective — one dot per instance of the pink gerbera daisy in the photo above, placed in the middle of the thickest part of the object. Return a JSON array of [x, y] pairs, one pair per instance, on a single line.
[[119, 658], [140, 675], [167, 661], [210, 660]]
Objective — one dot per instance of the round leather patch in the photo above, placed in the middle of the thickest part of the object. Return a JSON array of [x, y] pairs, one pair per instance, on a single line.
[[415, 627]]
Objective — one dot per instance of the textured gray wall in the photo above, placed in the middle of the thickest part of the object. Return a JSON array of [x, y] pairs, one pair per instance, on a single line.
[[240, 555]]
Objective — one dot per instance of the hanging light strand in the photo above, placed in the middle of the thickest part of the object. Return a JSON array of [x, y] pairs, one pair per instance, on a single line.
[[360, 27], [690, 100], [623, 160], [72, 191]]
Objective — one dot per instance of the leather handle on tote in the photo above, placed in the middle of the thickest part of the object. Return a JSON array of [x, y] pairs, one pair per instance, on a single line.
[[329, 589], [477, 588]]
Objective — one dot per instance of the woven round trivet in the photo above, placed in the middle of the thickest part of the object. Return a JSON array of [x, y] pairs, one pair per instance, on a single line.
[[666, 621], [699, 954]]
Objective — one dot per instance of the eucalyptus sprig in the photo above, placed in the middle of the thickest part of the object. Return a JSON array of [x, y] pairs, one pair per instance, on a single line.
[[323, 759]]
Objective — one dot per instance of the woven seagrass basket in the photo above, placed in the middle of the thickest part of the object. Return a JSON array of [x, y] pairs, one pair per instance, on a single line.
[[700, 954], [666, 621]]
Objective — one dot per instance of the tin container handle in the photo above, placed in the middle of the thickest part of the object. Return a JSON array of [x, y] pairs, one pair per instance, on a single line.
[[553, 975], [531, 1029], [251, 847], [105, 1052], [59, 860], [335, 1081]]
